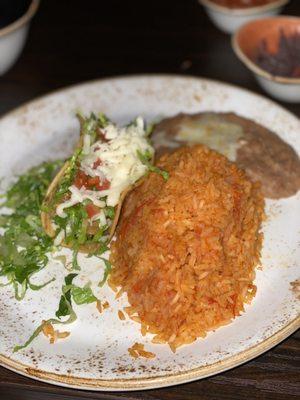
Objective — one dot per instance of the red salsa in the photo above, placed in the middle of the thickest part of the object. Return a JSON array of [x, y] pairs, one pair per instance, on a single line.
[[242, 3]]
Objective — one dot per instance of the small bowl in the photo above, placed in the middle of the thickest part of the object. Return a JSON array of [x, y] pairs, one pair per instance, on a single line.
[[13, 38], [245, 44], [229, 20]]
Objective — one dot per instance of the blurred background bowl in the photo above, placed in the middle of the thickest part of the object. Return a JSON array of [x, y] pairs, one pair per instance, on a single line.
[[229, 19], [13, 35], [246, 42]]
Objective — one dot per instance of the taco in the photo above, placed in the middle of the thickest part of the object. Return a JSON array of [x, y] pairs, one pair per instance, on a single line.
[[83, 202]]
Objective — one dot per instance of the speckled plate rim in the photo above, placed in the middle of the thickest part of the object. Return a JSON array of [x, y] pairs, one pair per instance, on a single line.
[[156, 382], [166, 379]]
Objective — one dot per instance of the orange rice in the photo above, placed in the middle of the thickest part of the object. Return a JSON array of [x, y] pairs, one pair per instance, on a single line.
[[187, 248], [138, 350], [53, 335]]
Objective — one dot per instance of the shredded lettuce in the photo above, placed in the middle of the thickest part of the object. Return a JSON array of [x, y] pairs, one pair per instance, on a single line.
[[106, 271], [75, 224], [23, 243], [67, 179], [71, 318], [145, 158], [24, 246], [109, 212], [91, 124], [65, 308], [82, 295], [65, 302]]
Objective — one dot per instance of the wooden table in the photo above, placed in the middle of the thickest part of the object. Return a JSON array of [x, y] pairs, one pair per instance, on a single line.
[[75, 41]]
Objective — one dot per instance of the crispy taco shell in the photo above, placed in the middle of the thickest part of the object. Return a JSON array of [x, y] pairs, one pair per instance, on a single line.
[[46, 217]]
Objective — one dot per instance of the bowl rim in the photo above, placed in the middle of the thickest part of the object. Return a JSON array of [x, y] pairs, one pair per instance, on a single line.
[[32, 9], [243, 11], [251, 64]]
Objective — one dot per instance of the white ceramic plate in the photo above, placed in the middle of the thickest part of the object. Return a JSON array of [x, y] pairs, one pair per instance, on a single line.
[[95, 355]]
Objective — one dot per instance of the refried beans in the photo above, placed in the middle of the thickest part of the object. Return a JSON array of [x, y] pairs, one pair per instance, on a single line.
[[261, 153]]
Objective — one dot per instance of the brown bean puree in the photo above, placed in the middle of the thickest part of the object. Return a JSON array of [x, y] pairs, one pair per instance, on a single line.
[[261, 153]]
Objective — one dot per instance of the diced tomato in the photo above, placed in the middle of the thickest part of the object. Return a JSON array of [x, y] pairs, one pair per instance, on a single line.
[[92, 181], [96, 183], [80, 179], [91, 210], [103, 185], [97, 163]]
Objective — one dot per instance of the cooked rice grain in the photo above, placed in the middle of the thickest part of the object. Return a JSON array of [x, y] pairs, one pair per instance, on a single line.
[[137, 350], [187, 248]]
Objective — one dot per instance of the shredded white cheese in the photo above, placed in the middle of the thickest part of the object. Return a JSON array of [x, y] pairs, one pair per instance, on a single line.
[[119, 165], [59, 238], [86, 144]]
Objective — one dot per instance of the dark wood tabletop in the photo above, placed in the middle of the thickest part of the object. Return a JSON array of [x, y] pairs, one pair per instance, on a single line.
[[75, 41]]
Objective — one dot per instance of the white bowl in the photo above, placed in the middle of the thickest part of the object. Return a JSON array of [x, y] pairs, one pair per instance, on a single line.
[[229, 20], [245, 43], [13, 38]]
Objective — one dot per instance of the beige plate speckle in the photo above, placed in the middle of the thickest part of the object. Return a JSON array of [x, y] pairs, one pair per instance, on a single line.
[[95, 355]]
